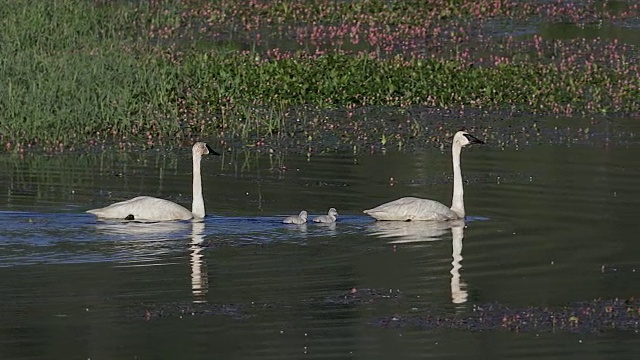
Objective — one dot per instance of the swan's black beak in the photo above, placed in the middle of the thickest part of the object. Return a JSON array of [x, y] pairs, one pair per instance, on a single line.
[[211, 151], [473, 140]]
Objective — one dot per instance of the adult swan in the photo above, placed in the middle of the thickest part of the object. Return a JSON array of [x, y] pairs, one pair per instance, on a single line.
[[147, 208], [411, 208]]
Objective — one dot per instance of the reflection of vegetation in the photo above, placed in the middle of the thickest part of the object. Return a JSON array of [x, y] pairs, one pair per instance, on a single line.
[[36, 179], [33, 179], [45, 177], [83, 73], [571, 31], [238, 161]]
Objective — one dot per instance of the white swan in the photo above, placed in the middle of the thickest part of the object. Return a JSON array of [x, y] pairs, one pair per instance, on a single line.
[[412, 208], [296, 219], [146, 208], [329, 218]]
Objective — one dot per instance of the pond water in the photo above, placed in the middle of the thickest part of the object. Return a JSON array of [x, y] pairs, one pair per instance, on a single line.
[[551, 229]]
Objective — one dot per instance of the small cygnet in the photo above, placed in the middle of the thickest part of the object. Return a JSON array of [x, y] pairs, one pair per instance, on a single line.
[[329, 218], [296, 219]]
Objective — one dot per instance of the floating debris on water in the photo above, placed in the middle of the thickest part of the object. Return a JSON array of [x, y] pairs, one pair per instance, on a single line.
[[181, 310], [362, 296], [582, 317], [595, 316]]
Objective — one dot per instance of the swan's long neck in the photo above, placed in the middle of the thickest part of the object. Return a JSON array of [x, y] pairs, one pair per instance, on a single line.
[[197, 207], [457, 203]]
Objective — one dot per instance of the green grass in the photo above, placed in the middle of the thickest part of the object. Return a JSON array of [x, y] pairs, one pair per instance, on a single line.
[[70, 74], [75, 73], [340, 80]]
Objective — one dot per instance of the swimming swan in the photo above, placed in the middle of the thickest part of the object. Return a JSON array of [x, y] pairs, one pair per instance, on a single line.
[[411, 208], [329, 218], [296, 219], [147, 208]]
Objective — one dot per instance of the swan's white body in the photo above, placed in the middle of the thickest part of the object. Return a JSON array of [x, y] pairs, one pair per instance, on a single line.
[[296, 219], [329, 218], [147, 208], [412, 208]]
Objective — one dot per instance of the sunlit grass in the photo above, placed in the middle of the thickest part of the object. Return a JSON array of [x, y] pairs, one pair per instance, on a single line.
[[73, 73], [78, 73]]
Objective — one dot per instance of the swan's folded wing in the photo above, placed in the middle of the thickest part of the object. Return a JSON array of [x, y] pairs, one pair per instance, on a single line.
[[144, 208], [294, 220], [412, 208], [324, 219]]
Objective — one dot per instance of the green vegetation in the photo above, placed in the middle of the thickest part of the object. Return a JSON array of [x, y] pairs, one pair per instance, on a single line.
[[71, 73], [76, 73]]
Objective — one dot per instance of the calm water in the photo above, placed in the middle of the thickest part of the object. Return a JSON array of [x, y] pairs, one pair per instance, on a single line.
[[549, 226]]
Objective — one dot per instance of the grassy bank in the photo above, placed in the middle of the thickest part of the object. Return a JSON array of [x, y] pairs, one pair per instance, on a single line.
[[76, 73]]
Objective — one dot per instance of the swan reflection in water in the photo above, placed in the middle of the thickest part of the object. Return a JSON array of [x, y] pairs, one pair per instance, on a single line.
[[199, 275], [412, 232], [458, 289], [147, 244]]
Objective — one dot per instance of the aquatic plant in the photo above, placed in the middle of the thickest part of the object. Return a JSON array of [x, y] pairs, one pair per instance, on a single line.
[[595, 316], [77, 73]]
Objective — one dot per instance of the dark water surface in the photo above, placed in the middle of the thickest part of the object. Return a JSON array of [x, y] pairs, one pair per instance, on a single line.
[[550, 226]]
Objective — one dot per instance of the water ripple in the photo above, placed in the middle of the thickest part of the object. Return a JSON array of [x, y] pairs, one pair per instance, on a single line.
[[50, 238]]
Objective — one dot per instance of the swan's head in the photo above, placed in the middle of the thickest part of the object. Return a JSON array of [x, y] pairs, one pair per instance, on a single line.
[[333, 212], [463, 138], [303, 215], [201, 148]]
